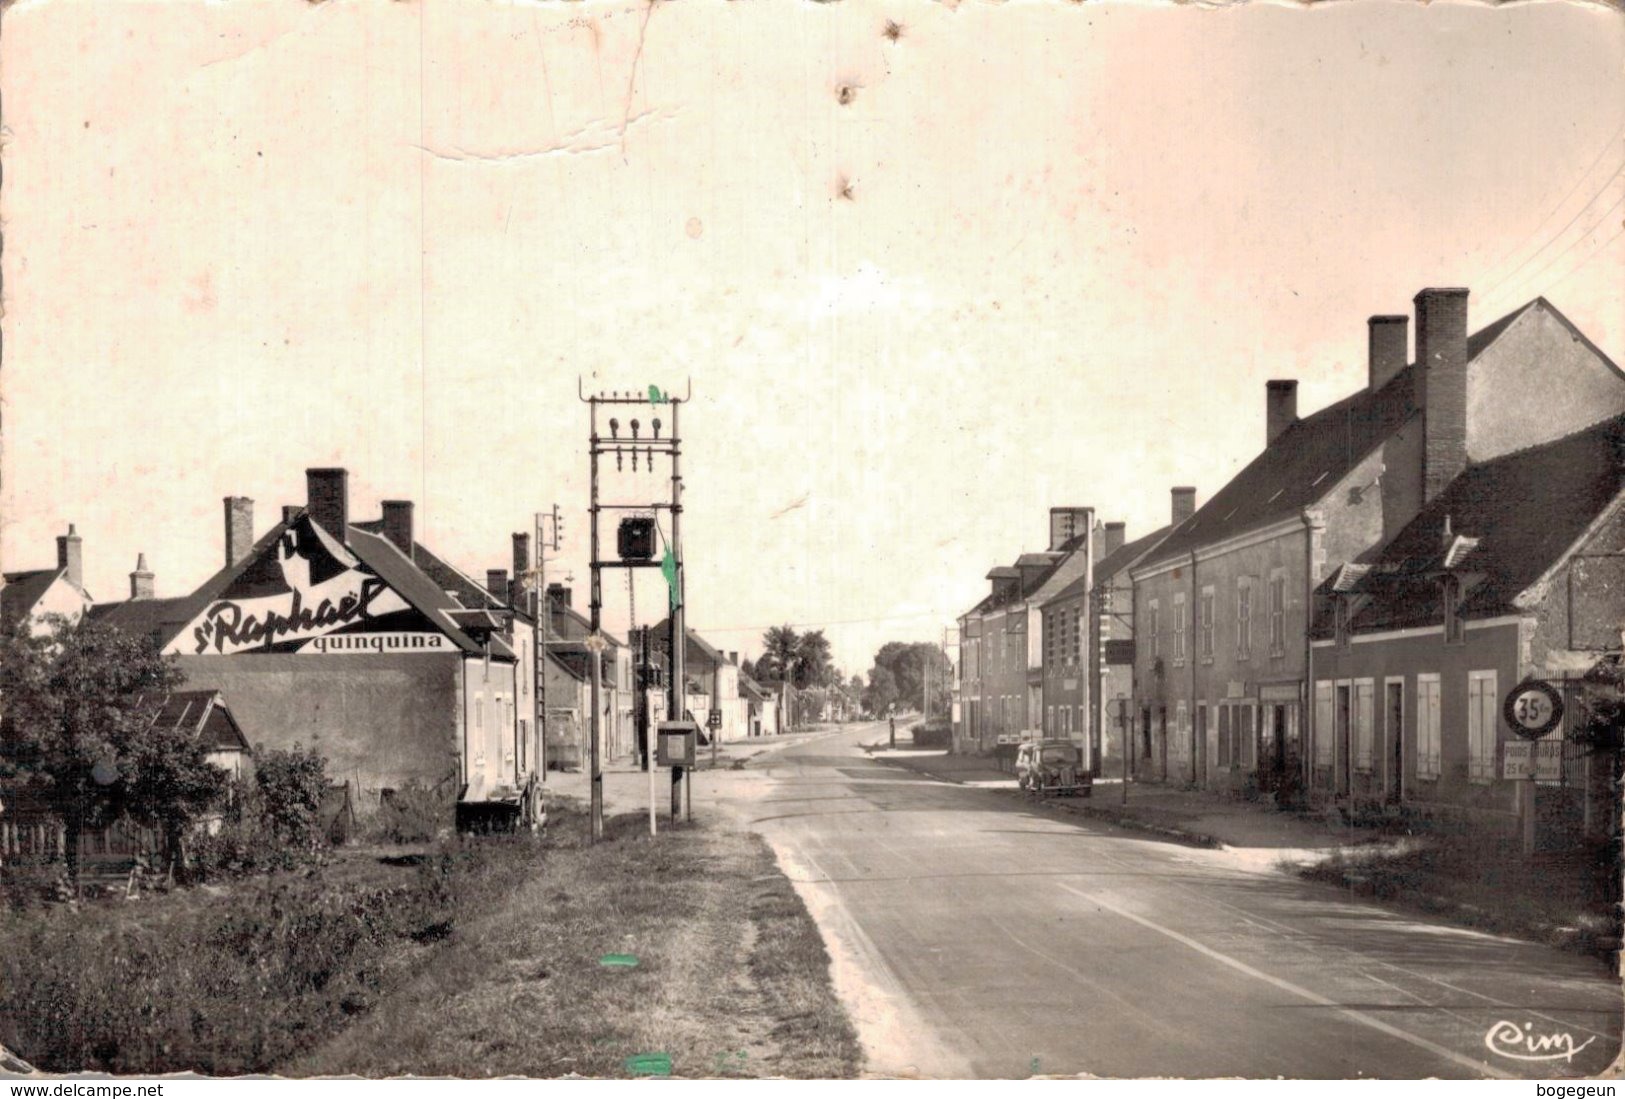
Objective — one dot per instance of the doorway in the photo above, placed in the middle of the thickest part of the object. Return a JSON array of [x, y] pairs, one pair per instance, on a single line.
[[1394, 724], [1340, 743]]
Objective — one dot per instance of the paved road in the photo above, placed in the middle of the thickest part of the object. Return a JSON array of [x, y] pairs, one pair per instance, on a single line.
[[975, 934]]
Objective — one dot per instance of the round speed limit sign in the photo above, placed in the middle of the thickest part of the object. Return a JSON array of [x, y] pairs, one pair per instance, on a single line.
[[1533, 708]]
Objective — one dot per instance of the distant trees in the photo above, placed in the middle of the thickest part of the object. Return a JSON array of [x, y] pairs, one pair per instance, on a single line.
[[881, 691], [908, 663], [77, 733], [803, 659]]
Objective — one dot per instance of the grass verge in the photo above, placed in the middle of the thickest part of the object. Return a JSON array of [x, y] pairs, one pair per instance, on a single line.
[[1568, 899], [730, 979], [238, 977]]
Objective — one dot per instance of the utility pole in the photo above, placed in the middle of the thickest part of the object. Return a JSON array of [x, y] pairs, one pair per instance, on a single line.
[[634, 549], [540, 630]]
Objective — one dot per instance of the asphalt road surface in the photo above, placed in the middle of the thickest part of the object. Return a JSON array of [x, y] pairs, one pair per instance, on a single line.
[[975, 934]]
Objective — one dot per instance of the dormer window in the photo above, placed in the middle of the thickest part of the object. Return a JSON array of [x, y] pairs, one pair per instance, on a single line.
[[1454, 629]]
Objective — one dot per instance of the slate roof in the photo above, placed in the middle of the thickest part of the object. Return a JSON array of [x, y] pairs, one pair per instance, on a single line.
[[1311, 456], [696, 644], [1510, 519], [22, 591], [373, 550], [417, 588], [468, 591], [1112, 564], [204, 712], [159, 619]]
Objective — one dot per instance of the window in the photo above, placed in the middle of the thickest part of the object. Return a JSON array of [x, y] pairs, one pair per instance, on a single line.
[[1482, 703], [1049, 719], [1207, 625], [1451, 596], [1154, 625], [1075, 647], [1277, 615], [1324, 733], [1340, 619], [1179, 628], [1244, 620], [1427, 725], [1365, 700], [1226, 755]]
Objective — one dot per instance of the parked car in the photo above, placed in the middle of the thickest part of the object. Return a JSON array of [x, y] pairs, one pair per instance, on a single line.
[[1046, 767]]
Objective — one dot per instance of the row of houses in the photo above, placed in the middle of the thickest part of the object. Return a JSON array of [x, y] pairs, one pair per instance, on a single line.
[[353, 637], [1342, 620]]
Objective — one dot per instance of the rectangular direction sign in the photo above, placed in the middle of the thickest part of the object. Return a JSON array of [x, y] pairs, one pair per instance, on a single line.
[[1542, 757]]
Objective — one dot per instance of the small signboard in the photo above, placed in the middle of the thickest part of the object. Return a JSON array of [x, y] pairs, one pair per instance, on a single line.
[[713, 720], [1007, 738], [674, 743], [1541, 760], [1533, 708]]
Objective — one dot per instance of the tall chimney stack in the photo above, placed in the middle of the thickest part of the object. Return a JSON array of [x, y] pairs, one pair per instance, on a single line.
[[398, 526], [70, 556], [1387, 347], [1441, 357], [141, 586], [239, 528], [1184, 503], [496, 582], [1280, 407], [1114, 537], [558, 594], [518, 596], [327, 497]]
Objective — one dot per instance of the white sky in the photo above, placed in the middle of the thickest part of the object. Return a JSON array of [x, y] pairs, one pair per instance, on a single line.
[[246, 238]]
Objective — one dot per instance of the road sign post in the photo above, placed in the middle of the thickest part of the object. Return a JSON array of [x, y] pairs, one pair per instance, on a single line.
[[1533, 708]]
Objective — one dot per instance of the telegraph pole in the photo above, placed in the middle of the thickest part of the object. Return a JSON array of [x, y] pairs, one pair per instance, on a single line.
[[634, 549]]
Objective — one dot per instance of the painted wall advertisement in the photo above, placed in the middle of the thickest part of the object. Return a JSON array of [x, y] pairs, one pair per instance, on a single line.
[[309, 594]]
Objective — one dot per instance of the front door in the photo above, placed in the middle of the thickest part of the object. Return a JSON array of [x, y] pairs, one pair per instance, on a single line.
[[1394, 723], [1340, 745]]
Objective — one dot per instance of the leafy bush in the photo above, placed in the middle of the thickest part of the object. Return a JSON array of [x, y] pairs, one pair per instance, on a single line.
[[292, 783], [410, 815], [237, 982]]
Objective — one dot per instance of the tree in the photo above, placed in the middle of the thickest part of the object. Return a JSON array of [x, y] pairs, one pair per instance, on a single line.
[[813, 667], [882, 690], [780, 647], [908, 663], [78, 731]]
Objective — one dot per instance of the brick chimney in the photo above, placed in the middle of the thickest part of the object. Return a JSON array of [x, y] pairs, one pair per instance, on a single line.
[[1067, 523], [558, 594], [1184, 503], [141, 579], [398, 525], [1114, 537], [1280, 407], [327, 497], [1387, 347], [239, 512], [70, 556], [521, 565], [1441, 357], [733, 657], [496, 582]]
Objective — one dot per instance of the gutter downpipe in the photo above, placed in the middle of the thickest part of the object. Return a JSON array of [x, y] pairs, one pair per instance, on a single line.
[[1312, 522], [1196, 648]]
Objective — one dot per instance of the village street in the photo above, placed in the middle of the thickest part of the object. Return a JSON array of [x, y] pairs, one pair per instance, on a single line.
[[975, 933]]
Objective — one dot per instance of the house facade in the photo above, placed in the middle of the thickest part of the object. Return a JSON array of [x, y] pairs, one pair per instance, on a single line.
[[1498, 580], [28, 598], [327, 635], [1225, 679], [1001, 685]]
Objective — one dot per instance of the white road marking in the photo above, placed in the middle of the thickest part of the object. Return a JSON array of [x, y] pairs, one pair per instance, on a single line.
[[1297, 990]]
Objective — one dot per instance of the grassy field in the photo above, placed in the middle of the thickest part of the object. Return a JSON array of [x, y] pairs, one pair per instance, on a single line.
[[731, 978], [475, 958]]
